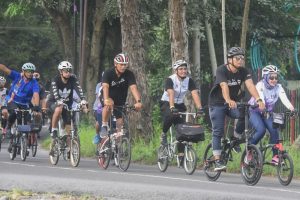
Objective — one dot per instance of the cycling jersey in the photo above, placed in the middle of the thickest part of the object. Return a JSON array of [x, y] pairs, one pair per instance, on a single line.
[[118, 86], [3, 93], [179, 86], [21, 90], [60, 90], [234, 81], [270, 96]]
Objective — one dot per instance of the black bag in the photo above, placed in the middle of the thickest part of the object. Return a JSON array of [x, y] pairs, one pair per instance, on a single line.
[[278, 120], [189, 132]]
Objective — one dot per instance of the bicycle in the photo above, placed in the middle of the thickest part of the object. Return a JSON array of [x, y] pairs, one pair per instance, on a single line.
[[66, 144], [251, 166], [19, 131], [166, 153], [117, 144], [285, 166]]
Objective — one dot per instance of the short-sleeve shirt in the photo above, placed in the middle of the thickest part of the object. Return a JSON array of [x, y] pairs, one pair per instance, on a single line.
[[118, 86], [180, 88], [234, 81], [23, 90], [3, 93]]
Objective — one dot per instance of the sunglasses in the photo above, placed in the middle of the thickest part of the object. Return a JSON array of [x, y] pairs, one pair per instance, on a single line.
[[239, 57], [273, 78], [29, 71], [67, 70], [182, 68]]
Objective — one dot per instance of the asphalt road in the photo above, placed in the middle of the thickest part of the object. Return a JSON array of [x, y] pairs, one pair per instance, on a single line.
[[139, 182]]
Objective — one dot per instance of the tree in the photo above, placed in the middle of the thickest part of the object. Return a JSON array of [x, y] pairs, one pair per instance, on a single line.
[[245, 24], [132, 43]]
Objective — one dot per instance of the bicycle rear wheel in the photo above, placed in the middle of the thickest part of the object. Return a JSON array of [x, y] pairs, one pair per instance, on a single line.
[[54, 152], [209, 164], [75, 153], [190, 160], [163, 158], [251, 165], [13, 151], [285, 169], [104, 153], [33, 138], [124, 154], [23, 144]]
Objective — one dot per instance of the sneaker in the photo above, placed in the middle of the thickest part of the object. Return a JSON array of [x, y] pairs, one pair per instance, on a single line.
[[97, 139], [53, 134], [248, 157], [275, 160], [219, 165], [163, 139], [104, 131]]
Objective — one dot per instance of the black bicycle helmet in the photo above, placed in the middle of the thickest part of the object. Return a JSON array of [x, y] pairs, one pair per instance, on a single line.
[[234, 51]]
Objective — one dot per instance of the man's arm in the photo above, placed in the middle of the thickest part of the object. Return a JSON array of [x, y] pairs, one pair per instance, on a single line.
[[35, 99], [196, 99], [137, 96], [5, 69]]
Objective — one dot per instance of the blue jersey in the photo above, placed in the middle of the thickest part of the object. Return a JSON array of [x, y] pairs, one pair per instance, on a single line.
[[21, 90]]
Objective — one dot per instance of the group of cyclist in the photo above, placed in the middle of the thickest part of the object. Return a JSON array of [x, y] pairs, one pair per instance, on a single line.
[[223, 98], [112, 92]]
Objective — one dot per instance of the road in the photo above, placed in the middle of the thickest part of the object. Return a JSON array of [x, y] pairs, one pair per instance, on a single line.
[[139, 182]]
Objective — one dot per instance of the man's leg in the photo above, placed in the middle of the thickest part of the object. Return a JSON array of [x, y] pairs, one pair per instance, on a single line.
[[55, 117], [106, 112]]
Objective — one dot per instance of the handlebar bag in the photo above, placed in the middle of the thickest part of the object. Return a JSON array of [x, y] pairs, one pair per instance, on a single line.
[[278, 120], [189, 132]]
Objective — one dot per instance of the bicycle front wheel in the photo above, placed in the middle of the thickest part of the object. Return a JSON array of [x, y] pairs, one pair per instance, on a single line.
[[104, 153], [163, 158], [251, 165], [54, 152], [13, 151], [33, 144], [124, 154], [23, 148], [75, 153], [285, 169], [209, 164], [190, 160]]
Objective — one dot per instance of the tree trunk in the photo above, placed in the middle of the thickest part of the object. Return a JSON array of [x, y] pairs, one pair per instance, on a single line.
[[196, 64], [245, 24], [224, 32], [132, 44], [211, 45]]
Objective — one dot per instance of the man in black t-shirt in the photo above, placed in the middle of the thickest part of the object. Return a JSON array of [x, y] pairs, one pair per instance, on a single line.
[[227, 90], [61, 91], [115, 84]]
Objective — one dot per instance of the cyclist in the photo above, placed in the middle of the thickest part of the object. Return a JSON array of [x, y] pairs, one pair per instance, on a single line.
[[24, 91], [227, 89], [61, 91], [115, 84], [3, 104], [97, 107], [172, 101], [269, 91]]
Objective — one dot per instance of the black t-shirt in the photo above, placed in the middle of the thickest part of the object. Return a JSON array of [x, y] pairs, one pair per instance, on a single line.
[[118, 86], [234, 81], [61, 90]]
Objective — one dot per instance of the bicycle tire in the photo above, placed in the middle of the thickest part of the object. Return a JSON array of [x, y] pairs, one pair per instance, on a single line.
[[34, 144], [124, 154], [190, 160], [104, 153], [209, 164], [285, 165], [23, 144], [75, 153], [54, 147], [251, 170], [13, 152], [163, 158]]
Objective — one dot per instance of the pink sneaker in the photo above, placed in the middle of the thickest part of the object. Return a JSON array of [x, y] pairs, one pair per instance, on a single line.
[[275, 160], [248, 157]]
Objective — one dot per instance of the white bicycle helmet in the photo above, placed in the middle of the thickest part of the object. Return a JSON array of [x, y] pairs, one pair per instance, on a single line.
[[269, 69], [2, 80], [121, 59], [28, 66], [64, 65], [179, 63]]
